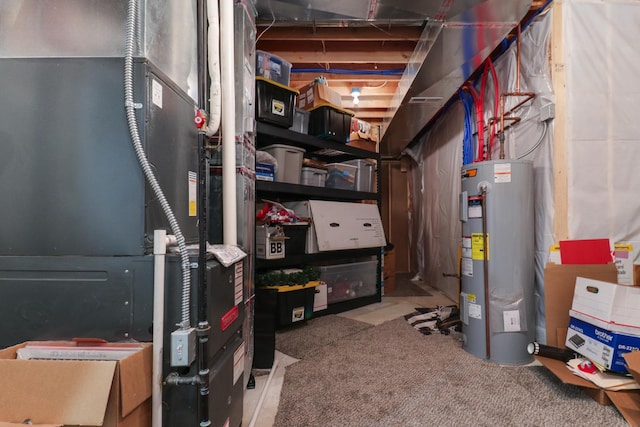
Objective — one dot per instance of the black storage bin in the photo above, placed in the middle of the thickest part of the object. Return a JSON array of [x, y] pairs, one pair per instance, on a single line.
[[329, 122], [293, 303], [264, 335], [297, 238], [274, 102]]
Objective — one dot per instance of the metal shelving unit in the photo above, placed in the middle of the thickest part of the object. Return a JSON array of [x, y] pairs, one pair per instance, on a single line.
[[327, 151]]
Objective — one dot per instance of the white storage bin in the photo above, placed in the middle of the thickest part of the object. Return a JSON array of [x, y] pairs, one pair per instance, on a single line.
[[349, 281], [313, 176], [366, 174], [341, 175], [289, 160]]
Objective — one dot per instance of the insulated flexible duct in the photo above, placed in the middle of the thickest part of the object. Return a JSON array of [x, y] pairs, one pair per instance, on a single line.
[[130, 45]]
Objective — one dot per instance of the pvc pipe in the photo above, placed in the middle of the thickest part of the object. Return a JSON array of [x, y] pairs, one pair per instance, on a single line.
[[229, 232], [213, 47], [159, 252]]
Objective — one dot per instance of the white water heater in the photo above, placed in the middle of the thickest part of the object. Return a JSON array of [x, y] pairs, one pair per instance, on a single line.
[[498, 263]]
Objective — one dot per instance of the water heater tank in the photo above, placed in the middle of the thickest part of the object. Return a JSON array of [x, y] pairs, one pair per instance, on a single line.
[[498, 263]]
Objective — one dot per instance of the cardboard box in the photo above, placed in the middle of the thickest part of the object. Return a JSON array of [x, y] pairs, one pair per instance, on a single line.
[[627, 402], [315, 94], [363, 130], [608, 302], [559, 285], [270, 242], [76, 392], [340, 225], [599, 343], [365, 144]]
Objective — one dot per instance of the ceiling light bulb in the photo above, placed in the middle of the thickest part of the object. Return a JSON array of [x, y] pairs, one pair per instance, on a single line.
[[355, 93]]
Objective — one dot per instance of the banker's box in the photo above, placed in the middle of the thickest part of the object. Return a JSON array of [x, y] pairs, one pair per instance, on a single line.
[[76, 392], [340, 225], [600, 341], [607, 302]]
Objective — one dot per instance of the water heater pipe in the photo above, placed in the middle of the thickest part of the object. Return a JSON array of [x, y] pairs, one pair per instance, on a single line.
[[160, 243], [213, 56], [486, 270], [229, 231]]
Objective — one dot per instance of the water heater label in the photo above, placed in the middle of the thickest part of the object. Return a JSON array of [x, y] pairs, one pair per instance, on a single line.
[[193, 191], [477, 246], [502, 172], [474, 209], [467, 267], [475, 311], [512, 321]]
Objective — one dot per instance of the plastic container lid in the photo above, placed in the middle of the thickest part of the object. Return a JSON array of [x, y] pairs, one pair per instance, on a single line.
[[280, 85]]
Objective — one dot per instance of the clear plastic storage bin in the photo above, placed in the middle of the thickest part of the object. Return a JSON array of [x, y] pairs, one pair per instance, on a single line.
[[300, 121], [366, 174], [349, 281], [341, 175], [313, 176], [273, 67]]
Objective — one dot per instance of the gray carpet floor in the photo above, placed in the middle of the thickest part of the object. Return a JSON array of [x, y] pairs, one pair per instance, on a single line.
[[354, 374]]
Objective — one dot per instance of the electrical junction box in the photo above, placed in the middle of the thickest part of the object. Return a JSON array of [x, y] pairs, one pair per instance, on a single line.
[[183, 347]]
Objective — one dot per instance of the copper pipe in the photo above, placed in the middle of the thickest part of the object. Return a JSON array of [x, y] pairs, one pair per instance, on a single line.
[[527, 95], [485, 248], [501, 113]]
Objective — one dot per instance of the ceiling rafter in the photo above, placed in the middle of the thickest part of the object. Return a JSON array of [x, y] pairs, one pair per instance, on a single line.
[[349, 34]]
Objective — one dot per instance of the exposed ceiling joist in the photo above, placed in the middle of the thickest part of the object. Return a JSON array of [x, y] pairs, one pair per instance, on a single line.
[[347, 78], [342, 53], [349, 34]]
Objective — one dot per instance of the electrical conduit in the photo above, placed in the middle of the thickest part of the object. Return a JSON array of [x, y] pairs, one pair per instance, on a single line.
[[132, 20]]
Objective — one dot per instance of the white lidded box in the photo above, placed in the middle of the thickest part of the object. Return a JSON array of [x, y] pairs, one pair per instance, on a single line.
[[313, 176], [340, 225], [289, 162], [608, 302]]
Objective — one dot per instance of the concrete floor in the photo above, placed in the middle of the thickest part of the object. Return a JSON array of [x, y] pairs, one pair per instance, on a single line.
[[261, 403]]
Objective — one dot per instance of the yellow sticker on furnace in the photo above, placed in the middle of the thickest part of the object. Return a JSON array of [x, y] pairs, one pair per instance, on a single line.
[[477, 246]]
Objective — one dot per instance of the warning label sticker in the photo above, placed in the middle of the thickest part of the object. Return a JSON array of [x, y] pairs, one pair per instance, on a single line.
[[477, 246], [502, 173]]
